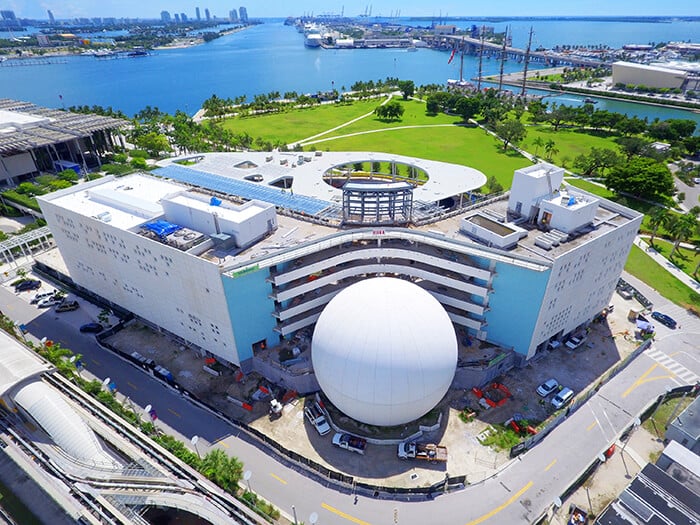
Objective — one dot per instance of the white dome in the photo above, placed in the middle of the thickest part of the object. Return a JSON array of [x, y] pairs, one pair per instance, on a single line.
[[384, 351]]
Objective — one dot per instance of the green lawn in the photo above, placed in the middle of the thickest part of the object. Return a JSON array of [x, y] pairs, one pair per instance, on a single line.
[[656, 424], [459, 145], [570, 142], [684, 258], [590, 187], [299, 124], [646, 269], [414, 115]]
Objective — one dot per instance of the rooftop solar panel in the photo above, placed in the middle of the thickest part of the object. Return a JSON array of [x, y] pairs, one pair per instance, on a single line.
[[245, 189]]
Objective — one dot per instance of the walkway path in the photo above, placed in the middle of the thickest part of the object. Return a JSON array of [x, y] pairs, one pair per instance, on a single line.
[[305, 141], [667, 265], [382, 130]]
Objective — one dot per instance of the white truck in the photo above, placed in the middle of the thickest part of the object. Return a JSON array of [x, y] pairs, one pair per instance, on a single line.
[[316, 417], [426, 451], [575, 341], [350, 442]]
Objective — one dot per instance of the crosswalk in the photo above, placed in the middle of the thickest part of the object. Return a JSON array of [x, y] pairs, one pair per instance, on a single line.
[[673, 366]]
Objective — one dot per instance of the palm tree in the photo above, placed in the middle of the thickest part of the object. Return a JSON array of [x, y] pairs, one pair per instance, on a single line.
[[550, 149], [682, 228], [659, 217], [696, 243], [538, 143]]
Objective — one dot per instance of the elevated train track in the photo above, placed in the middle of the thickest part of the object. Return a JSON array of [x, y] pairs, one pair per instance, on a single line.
[[118, 496]]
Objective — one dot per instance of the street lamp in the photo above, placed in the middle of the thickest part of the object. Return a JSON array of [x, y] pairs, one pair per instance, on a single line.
[[294, 511], [194, 441], [246, 476]]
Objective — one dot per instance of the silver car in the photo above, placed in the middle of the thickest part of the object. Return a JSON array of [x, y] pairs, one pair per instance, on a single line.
[[562, 398]]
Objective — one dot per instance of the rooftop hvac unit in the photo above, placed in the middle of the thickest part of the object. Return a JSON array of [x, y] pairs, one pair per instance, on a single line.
[[184, 239]]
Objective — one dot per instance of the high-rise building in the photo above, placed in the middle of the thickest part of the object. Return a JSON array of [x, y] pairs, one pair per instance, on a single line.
[[183, 17], [165, 17], [52, 20], [197, 14], [243, 13], [233, 15], [177, 18], [207, 15], [9, 19]]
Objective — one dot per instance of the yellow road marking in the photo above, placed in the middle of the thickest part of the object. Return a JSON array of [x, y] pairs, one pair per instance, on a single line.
[[501, 507], [221, 443], [278, 478], [343, 515], [132, 385], [550, 465], [591, 426], [173, 412], [95, 361], [643, 379]]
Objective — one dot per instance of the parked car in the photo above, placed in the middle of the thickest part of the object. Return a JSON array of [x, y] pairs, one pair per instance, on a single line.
[[547, 387], [50, 301], [29, 284], [562, 398], [315, 416], [575, 341], [91, 328], [67, 306], [664, 319], [41, 296]]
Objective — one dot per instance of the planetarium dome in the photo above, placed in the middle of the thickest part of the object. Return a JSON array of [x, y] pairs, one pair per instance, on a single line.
[[384, 351]]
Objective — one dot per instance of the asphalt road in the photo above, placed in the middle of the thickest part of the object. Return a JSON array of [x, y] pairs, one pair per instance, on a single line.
[[518, 494]]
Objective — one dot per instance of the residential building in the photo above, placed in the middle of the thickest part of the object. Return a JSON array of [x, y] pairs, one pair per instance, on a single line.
[[243, 15]]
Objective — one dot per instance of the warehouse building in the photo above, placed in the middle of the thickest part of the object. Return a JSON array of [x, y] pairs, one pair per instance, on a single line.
[[651, 76]]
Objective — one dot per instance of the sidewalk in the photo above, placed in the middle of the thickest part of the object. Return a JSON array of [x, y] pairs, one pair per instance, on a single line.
[[668, 265]]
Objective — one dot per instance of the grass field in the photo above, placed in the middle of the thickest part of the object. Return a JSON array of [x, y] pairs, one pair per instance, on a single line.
[[467, 146], [570, 142], [656, 424], [647, 270], [298, 124], [684, 258], [414, 115]]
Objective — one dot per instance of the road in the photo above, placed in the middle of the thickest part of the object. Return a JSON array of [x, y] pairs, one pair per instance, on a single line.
[[520, 493]]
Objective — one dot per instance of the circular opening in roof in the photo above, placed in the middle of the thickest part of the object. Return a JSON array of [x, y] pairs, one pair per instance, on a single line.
[[374, 171]]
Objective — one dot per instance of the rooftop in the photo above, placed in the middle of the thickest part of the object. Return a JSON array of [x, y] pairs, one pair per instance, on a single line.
[[25, 126], [130, 202]]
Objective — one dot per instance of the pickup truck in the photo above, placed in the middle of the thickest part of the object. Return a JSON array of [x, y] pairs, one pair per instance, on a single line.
[[350, 442], [426, 451], [315, 416]]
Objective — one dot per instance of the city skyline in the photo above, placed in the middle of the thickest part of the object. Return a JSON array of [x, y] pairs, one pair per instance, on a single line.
[[277, 8]]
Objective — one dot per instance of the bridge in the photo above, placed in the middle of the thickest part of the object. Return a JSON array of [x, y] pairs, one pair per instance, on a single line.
[[472, 46]]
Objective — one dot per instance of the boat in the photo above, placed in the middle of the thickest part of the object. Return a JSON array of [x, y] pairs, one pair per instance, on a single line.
[[412, 49], [313, 40], [589, 100], [137, 53]]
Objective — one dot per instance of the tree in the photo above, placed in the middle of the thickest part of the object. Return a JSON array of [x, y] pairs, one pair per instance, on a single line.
[[467, 107], [154, 143], [550, 149], [538, 143], [407, 88], [511, 131], [642, 177], [682, 227], [390, 111], [658, 218], [223, 470], [597, 159], [432, 106], [632, 146]]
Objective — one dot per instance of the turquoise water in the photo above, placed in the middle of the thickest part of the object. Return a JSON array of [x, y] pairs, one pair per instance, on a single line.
[[264, 58]]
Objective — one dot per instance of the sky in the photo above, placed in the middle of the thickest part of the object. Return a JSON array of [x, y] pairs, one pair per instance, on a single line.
[[281, 8]]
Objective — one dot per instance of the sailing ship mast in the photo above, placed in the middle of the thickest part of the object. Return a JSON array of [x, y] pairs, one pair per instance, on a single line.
[[527, 61], [503, 59]]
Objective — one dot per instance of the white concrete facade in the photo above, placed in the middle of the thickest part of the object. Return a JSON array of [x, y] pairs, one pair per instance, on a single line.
[[171, 288], [650, 76]]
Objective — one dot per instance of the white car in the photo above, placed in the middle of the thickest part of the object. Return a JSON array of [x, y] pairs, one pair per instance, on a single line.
[[547, 387], [41, 296], [50, 301]]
